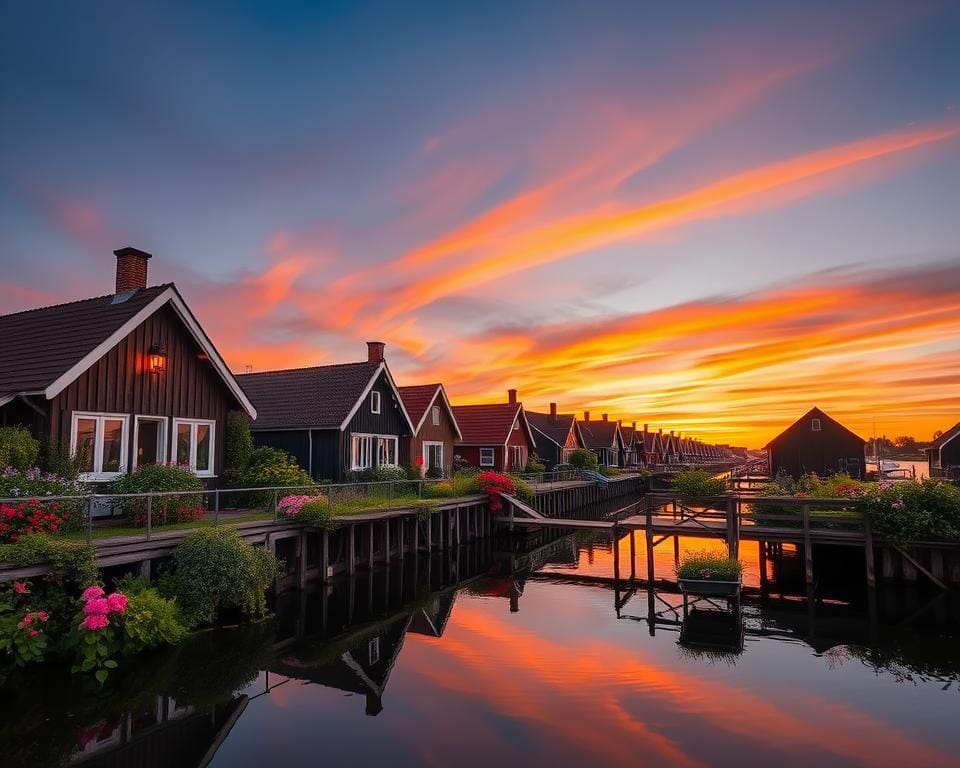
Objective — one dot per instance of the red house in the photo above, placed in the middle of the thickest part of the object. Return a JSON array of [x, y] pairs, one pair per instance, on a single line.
[[435, 430], [495, 436]]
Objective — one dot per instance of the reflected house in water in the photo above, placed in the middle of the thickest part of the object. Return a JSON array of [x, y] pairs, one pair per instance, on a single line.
[[943, 454], [816, 443], [431, 620]]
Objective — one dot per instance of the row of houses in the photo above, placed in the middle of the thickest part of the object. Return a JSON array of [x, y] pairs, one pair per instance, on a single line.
[[131, 378]]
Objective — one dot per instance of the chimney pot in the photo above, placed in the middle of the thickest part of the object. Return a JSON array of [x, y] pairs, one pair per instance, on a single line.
[[605, 416], [586, 415], [512, 396], [634, 426], [375, 351], [553, 410], [646, 427], [131, 268]]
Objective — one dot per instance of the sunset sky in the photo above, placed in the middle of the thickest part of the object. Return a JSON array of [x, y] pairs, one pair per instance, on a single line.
[[708, 217]]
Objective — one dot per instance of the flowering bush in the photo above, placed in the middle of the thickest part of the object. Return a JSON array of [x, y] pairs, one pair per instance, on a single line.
[[913, 510], [495, 484], [99, 639], [23, 636], [290, 506], [33, 516], [270, 468], [164, 509]]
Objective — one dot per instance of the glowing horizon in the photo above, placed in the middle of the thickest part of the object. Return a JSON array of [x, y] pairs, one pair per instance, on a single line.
[[706, 222]]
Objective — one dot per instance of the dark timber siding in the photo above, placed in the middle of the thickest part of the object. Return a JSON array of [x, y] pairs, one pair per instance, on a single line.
[[118, 383], [800, 450], [389, 421], [548, 451]]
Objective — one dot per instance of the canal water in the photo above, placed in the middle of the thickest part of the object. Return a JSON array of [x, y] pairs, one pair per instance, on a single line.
[[528, 653]]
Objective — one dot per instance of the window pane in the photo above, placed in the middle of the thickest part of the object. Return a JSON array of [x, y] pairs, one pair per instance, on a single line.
[[203, 448], [148, 442], [183, 443], [112, 445], [435, 416], [86, 433]]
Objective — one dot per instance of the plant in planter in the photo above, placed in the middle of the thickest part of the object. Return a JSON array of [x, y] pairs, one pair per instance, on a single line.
[[707, 573], [164, 509]]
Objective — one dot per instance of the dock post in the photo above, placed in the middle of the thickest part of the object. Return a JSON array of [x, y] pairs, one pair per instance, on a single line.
[[807, 545], [351, 549], [386, 541], [324, 558], [616, 552], [370, 545], [302, 561], [415, 536], [430, 533], [633, 555], [868, 552], [651, 573], [762, 549]]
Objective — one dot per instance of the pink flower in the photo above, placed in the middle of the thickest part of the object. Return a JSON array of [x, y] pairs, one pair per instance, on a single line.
[[21, 588], [117, 602], [33, 633], [91, 593], [43, 615], [27, 620], [95, 621], [99, 606]]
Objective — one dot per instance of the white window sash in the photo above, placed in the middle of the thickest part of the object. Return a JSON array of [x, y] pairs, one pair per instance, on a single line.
[[98, 437], [192, 461], [374, 402], [365, 450], [427, 446], [435, 415], [487, 452]]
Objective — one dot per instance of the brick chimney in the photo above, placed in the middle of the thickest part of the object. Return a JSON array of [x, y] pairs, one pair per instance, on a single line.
[[131, 268], [553, 411], [586, 415], [646, 428], [512, 396], [375, 351], [605, 416], [634, 425]]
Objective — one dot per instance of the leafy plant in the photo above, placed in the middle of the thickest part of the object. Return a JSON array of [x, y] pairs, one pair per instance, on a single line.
[[697, 482], [61, 461], [709, 565], [149, 478], [151, 620], [522, 489], [98, 638], [74, 560], [319, 513], [913, 511], [23, 635], [611, 471], [495, 485], [34, 516], [534, 465], [214, 569], [238, 442], [271, 468], [18, 448], [582, 458]]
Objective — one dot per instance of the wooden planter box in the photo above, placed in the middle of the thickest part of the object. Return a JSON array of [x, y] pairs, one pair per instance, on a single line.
[[709, 587]]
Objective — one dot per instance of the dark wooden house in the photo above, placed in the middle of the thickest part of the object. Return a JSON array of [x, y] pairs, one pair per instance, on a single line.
[[127, 379], [556, 435], [943, 454], [495, 436], [336, 420], [435, 430], [632, 445], [652, 447], [603, 437], [819, 444]]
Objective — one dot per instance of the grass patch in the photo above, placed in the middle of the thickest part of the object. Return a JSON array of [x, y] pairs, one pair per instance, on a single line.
[[708, 565]]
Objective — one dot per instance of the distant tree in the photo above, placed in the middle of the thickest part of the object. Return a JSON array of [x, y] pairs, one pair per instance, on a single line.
[[938, 434], [906, 444]]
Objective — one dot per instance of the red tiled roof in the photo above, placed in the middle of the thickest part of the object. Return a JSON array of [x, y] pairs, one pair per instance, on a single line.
[[486, 424], [417, 399]]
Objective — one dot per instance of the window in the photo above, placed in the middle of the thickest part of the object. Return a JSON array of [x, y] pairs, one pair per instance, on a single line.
[[435, 415], [193, 445], [373, 651], [386, 451], [374, 402], [101, 439], [516, 424], [361, 452], [368, 451], [815, 425], [433, 456], [486, 457], [516, 457], [149, 440]]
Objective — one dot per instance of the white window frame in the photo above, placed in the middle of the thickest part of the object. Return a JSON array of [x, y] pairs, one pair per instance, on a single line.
[[515, 458], [435, 416], [427, 444], [815, 425], [368, 439], [396, 450], [375, 402], [493, 457], [161, 437], [373, 450], [194, 423], [98, 474]]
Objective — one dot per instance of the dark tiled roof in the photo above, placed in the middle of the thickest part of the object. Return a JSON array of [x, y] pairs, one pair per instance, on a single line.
[[300, 398], [417, 398], [650, 441], [630, 434], [486, 424], [40, 345], [813, 413], [599, 434], [556, 429], [947, 436]]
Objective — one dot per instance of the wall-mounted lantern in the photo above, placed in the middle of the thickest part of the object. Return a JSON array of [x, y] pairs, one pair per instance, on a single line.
[[157, 359]]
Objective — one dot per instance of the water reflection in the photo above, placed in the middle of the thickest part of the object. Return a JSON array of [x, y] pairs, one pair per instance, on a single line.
[[526, 652]]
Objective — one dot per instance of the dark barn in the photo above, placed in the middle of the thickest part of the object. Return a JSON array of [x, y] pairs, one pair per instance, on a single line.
[[819, 444]]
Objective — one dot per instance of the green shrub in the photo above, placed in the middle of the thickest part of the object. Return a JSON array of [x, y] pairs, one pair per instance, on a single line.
[[271, 468], [465, 482], [18, 448], [913, 511], [709, 565], [581, 458], [237, 443], [435, 473], [164, 509], [697, 482], [318, 514], [61, 462], [534, 465], [215, 569], [441, 490], [150, 620], [611, 471], [74, 560], [524, 491]]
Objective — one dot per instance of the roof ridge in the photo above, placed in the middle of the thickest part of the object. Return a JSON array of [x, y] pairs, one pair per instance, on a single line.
[[81, 301], [308, 368]]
